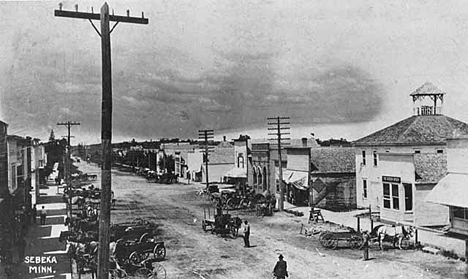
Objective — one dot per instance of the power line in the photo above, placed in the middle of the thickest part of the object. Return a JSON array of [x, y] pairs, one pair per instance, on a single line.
[[68, 124], [205, 135], [106, 120], [279, 124]]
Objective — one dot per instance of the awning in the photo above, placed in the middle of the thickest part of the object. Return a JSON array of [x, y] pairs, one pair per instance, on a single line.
[[236, 173], [286, 175], [451, 190], [300, 180]]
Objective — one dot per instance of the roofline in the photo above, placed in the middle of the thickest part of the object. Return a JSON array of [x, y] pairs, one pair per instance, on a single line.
[[398, 144]]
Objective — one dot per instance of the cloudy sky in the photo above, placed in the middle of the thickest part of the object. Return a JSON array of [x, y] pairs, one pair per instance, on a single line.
[[336, 68]]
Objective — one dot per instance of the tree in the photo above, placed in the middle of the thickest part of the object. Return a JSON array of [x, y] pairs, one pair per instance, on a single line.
[[52, 136]]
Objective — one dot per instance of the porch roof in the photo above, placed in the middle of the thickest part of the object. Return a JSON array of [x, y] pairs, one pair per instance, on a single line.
[[452, 190], [236, 173], [299, 179]]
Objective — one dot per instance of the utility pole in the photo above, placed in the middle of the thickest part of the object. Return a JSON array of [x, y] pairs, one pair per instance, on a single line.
[[206, 135], [106, 120], [68, 124], [279, 125]]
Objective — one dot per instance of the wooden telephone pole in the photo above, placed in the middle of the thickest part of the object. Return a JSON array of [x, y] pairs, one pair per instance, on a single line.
[[279, 125], [68, 124], [106, 120], [206, 135]]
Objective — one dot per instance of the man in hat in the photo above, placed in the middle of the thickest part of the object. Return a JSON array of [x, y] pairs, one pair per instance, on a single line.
[[246, 234], [281, 269]]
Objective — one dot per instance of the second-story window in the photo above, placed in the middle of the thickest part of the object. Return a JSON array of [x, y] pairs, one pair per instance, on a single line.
[[375, 158], [363, 157], [240, 161], [364, 188]]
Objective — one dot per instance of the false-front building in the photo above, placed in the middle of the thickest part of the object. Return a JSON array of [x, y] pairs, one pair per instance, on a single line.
[[399, 165]]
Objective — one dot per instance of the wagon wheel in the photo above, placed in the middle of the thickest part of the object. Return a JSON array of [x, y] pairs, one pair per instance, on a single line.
[[117, 273], [159, 252], [328, 240], [135, 258], [203, 225], [143, 273], [234, 231], [159, 272], [230, 203], [144, 237], [356, 241]]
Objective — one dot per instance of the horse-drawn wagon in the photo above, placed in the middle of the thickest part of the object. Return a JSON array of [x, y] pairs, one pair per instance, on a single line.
[[333, 240], [222, 223], [397, 234], [139, 230], [135, 251]]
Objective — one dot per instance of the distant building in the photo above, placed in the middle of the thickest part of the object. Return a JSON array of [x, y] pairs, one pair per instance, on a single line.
[[238, 174], [397, 166], [321, 177], [220, 161]]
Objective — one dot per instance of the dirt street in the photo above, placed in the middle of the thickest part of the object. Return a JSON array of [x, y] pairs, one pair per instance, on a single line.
[[192, 253]]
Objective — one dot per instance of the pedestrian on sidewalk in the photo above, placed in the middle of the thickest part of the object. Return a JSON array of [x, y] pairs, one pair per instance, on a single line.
[[43, 215], [34, 214], [281, 268], [246, 234]]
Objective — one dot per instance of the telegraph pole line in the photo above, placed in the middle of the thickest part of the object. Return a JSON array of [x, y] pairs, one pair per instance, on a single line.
[[206, 135], [68, 124], [106, 120], [279, 126]]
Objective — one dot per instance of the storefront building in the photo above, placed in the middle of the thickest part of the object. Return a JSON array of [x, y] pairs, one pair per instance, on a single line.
[[452, 191], [403, 162]]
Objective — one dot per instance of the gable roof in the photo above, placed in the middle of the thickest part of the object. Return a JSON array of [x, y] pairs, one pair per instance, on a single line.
[[430, 167], [427, 89], [222, 155], [333, 160], [416, 130]]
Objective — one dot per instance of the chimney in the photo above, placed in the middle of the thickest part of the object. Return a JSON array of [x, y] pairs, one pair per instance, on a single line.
[[224, 138], [304, 142]]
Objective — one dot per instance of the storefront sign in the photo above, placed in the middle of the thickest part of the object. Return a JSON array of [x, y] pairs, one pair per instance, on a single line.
[[391, 179]]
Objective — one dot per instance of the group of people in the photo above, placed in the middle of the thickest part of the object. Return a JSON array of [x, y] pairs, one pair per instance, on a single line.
[[280, 271]]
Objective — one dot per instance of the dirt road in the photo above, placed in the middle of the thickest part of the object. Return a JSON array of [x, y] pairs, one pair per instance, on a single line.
[[192, 253]]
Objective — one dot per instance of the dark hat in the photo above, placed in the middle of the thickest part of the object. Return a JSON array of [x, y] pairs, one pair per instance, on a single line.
[[280, 256]]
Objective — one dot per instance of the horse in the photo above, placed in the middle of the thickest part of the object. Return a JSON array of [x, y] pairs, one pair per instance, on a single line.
[[392, 233], [85, 255]]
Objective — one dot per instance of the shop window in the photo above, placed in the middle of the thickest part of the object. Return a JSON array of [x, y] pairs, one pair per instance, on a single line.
[[395, 197], [386, 195], [408, 196], [391, 199], [254, 177], [363, 157], [460, 212], [375, 158], [364, 188]]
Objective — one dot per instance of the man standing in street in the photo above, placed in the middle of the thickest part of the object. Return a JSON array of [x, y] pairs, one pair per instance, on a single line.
[[43, 215], [281, 268], [34, 214], [246, 234]]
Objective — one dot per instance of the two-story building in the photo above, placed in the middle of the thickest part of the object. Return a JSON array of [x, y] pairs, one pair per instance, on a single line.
[[238, 174], [397, 166]]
